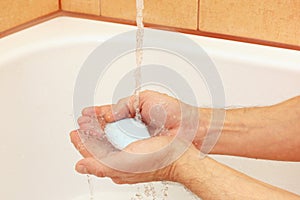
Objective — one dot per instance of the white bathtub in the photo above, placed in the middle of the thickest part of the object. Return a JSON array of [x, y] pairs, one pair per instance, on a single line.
[[38, 69]]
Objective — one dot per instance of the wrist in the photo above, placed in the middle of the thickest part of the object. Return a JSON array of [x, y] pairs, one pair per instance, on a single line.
[[188, 167], [195, 174], [203, 126]]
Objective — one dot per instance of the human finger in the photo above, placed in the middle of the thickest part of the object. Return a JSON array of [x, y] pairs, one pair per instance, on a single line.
[[75, 139]]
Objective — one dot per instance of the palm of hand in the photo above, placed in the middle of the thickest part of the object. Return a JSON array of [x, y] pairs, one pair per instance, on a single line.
[[138, 162]]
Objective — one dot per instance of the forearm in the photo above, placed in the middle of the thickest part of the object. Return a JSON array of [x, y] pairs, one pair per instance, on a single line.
[[271, 132], [209, 179]]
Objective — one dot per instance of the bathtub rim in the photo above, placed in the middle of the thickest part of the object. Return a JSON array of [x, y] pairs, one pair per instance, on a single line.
[[65, 30]]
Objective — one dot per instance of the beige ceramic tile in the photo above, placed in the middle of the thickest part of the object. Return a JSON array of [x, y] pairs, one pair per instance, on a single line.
[[16, 12], [273, 20], [82, 6], [175, 13]]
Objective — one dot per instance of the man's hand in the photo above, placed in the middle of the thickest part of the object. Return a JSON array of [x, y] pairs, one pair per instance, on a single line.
[[141, 161], [163, 115]]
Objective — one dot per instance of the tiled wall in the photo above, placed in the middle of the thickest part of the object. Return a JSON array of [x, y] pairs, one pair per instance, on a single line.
[[16, 12], [82, 6], [269, 20], [274, 20], [175, 13]]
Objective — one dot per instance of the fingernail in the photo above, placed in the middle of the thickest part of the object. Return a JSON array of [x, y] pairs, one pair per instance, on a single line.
[[82, 169]]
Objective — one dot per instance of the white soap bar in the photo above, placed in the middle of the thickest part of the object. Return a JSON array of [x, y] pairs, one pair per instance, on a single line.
[[123, 132]]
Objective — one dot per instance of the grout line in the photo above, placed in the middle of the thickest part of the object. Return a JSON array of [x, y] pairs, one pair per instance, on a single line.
[[198, 15], [98, 18], [187, 31], [130, 22], [31, 23], [100, 8], [59, 5]]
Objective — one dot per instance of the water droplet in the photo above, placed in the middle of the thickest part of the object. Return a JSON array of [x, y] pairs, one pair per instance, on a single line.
[[91, 186]]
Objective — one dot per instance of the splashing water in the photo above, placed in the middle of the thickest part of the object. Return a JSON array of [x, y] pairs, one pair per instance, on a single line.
[[91, 186], [149, 188], [164, 191]]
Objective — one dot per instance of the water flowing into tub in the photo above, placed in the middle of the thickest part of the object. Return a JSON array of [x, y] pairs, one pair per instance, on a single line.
[[145, 191], [139, 56], [149, 189]]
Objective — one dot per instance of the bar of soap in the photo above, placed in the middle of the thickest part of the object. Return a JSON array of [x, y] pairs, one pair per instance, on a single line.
[[121, 133]]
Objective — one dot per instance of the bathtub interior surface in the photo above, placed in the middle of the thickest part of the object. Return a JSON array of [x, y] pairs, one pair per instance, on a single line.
[[38, 70]]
